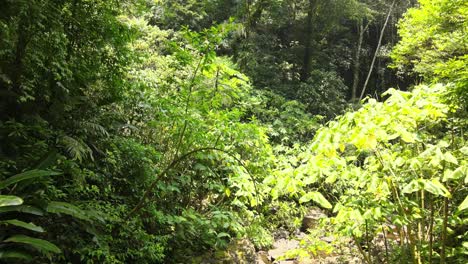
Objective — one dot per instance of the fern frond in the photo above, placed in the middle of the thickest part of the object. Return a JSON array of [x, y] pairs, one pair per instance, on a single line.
[[93, 128], [76, 148]]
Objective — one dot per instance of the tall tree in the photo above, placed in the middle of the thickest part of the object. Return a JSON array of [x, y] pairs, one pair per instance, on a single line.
[[309, 32], [377, 49], [434, 45]]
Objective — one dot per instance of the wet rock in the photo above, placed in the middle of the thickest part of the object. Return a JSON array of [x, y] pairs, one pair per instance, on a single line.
[[298, 232], [242, 251], [328, 239], [281, 233], [301, 235], [281, 246], [238, 252], [312, 218], [263, 258]]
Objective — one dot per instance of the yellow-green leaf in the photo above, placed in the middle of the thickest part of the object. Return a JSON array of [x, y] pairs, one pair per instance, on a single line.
[[436, 187], [450, 158], [407, 136], [9, 200], [317, 198], [464, 204]]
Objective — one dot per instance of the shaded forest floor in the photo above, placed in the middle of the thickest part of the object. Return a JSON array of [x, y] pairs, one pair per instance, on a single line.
[[310, 244]]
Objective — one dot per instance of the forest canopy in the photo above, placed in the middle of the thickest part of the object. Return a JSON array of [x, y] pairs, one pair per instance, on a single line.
[[184, 131]]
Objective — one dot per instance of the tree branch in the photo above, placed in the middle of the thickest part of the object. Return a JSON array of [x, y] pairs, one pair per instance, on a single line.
[[174, 163]]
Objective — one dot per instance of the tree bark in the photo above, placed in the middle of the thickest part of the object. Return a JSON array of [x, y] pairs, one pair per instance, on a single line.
[[20, 51], [253, 13], [357, 60], [377, 50], [308, 41]]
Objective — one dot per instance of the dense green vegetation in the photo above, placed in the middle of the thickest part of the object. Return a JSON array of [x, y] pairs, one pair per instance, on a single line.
[[156, 131]]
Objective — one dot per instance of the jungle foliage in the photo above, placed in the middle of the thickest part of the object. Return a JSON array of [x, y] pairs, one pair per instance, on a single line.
[[155, 131]]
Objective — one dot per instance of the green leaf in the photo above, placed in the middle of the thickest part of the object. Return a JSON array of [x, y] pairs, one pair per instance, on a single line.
[[437, 157], [363, 141], [227, 191], [66, 208], [200, 167], [26, 175], [407, 136], [47, 160], [464, 204], [317, 198], [413, 186], [37, 243], [222, 234], [7, 200], [435, 187], [450, 158], [23, 209], [371, 141], [458, 173], [29, 226], [464, 150], [15, 254]]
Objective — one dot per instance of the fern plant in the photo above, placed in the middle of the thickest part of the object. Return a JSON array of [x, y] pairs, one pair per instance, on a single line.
[[19, 238]]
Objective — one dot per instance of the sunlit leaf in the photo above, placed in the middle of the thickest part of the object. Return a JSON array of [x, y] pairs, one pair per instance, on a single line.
[[464, 204], [413, 186], [458, 173], [317, 198], [434, 186], [407, 136], [10, 200], [450, 158]]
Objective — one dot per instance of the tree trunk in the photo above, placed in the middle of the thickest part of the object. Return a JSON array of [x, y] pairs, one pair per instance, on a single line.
[[253, 13], [20, 51], [308, 41], [377, 50], [357, 62]]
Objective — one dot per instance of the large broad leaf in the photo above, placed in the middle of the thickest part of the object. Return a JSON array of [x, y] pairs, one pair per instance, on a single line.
[[29, 209], [66, 208], [5, 254], [450, 158], [317, 198], [407, 136], [434, 186], [37, 243], [458, 173], [8, 200], [26, 175], [29, 226], [413, 186], [464, 204]]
